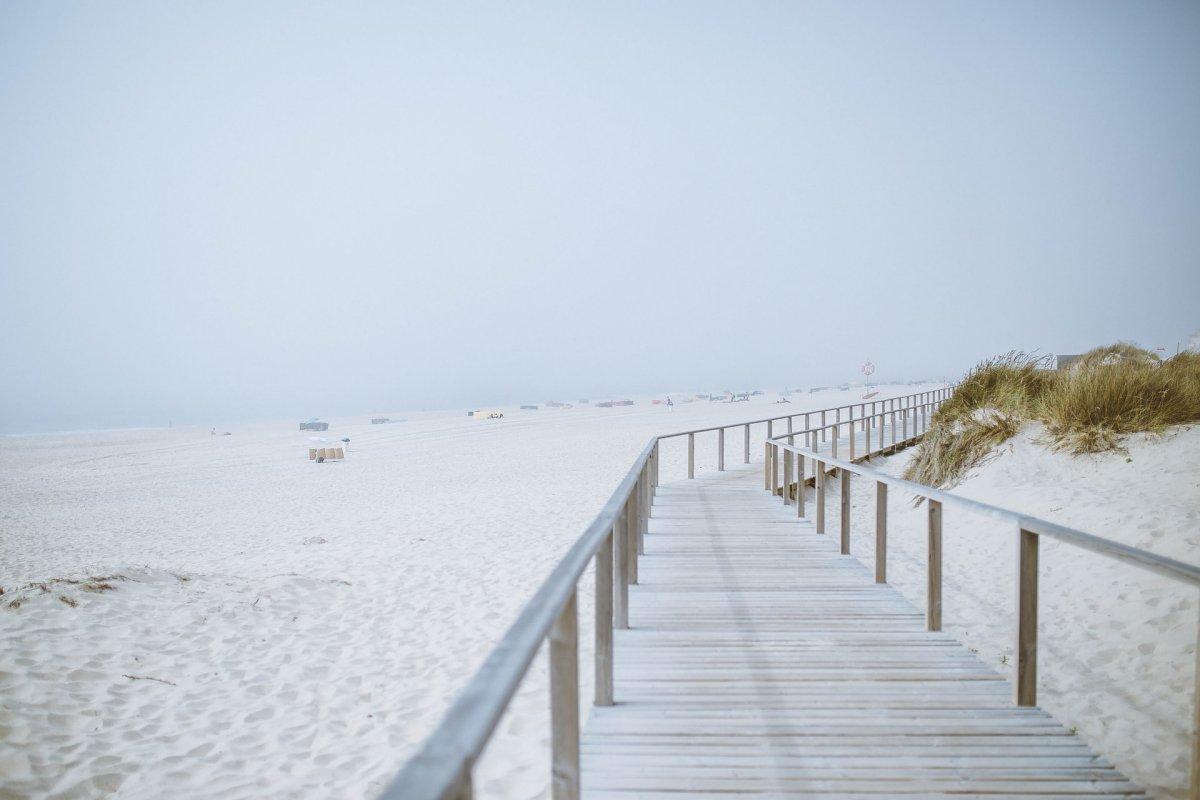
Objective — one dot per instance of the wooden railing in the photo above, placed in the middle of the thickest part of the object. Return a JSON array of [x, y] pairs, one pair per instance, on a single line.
[[1027, 532], [892, 405], [441, 769]]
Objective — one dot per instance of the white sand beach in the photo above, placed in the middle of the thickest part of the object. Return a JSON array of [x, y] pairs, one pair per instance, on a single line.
[[279, 628]]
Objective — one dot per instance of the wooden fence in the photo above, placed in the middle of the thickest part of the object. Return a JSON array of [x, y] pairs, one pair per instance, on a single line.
[[441, 769]]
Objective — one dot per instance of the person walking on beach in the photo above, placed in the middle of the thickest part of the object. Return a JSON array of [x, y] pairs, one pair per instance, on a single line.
[[670, 404]]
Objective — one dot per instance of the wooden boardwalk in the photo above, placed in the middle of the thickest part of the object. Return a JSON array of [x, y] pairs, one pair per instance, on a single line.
[[759, 661]]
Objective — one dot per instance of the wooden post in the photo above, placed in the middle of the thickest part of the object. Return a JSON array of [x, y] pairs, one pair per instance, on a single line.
[[767, 466], [1025, 647], [787, 475], [463, 790], [851, 426], [774, 468], [933, 570], [604, 622], [799, 484], [893, 430], [881, 425], [631, 539], [564, 704], [720, 449], [846, 508], [880, 532], [747, 433], [691, 455], [822, 426], [1194, 776], [621, 578], [655, 485], [638, 516], [770, 428], [648, 490], [820, 475]]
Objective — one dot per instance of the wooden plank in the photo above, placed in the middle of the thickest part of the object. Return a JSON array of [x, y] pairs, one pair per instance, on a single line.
[[761, 661]]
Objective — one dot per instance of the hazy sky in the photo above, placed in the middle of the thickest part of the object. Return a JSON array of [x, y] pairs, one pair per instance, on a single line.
[[219, 211]]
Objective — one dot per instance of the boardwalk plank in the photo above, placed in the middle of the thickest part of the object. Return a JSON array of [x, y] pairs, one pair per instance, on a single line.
[[762, 662]]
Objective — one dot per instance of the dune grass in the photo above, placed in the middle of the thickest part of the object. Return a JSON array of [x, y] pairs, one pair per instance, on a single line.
[[1116, 353], [1106, 395]]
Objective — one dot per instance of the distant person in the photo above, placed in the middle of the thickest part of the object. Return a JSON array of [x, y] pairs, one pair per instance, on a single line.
[[346, 443], [670, 404]]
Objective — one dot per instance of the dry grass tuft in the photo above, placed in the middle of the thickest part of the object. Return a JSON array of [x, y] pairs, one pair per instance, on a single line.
[[1116, 353], [1108, 394], [986, 409], [1091, 410], [96, 584]]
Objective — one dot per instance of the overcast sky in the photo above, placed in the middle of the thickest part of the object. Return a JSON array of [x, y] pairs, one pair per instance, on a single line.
[[222, 211]]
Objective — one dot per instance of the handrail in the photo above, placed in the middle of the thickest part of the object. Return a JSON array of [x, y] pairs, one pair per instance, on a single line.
[[1029, 529], [795, 414], [441, 768], [907, 401], [1169, 567]]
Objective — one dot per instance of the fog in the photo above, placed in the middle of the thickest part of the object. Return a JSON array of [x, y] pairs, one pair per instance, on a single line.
[[223, 211]]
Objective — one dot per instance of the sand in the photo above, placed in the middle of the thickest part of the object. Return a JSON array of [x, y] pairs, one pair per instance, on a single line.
[[279, 628]]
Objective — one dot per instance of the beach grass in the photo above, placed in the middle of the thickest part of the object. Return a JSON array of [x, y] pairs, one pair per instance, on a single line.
[[1109, 393]]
